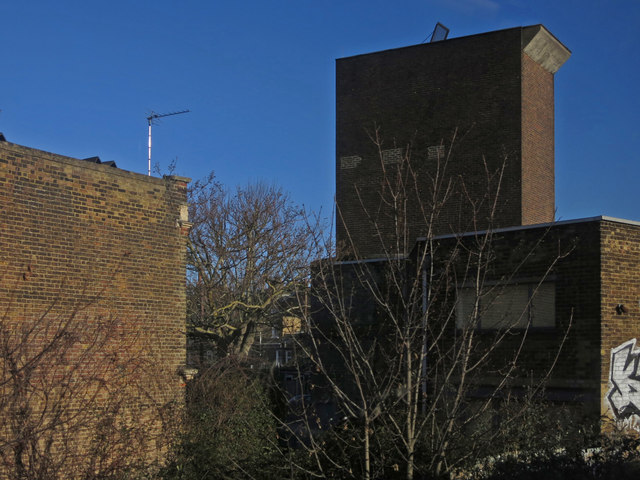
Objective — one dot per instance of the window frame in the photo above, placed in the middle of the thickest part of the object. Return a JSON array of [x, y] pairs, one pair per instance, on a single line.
[[534, 285]]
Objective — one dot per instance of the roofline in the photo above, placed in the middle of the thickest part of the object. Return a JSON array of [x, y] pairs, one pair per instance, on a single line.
[[599, 218], [521, 27], [77, 162], [370, 260]]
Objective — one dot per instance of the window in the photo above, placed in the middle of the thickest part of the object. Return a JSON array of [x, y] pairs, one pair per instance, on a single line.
[[509, 306], [283, 356], [278, 358], [291, 325], [209, 357]]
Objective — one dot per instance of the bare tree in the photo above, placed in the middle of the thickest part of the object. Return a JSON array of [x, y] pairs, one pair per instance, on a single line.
[[400, 342], [249, 252]]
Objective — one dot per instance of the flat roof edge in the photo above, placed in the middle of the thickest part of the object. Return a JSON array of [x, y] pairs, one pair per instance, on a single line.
[[522, 28], [428, 43], [598, 218], [620, 220]]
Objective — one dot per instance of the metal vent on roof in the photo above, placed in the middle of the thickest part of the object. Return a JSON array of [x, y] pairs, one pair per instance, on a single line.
[[439, 33]]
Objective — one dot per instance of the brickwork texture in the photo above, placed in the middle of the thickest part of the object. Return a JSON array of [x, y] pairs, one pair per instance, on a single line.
[[620, 296], [87, 246], [594, 266], [475, 113]]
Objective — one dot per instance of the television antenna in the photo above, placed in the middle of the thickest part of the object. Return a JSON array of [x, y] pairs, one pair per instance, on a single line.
[[151, 120]]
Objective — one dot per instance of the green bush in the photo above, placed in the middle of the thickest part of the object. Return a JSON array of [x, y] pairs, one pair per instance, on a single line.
[[228, 430]]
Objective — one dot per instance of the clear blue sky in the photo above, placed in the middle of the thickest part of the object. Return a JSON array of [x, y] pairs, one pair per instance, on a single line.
[[79, 78]]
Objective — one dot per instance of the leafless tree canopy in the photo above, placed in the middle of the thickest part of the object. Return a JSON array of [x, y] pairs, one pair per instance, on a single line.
[[249, 252]]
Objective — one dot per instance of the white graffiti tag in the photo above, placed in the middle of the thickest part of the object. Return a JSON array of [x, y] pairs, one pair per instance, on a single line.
[[624, 376]]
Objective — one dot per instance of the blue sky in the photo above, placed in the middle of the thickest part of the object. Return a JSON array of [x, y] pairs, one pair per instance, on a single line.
[[79, 78]]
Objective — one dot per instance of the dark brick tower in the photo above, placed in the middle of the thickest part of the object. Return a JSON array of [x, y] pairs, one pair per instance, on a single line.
[[460, 110]]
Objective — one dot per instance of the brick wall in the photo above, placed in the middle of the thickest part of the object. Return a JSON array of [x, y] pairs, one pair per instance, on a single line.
[[620, 279], [568, 257], [95, 246], [458, 110], [538, 177], [597, 284]]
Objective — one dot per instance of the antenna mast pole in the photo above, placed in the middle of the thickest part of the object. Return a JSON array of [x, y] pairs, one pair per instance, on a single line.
[[150, 119]]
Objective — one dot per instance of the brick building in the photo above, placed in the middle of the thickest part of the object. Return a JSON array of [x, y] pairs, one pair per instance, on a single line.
[[455, 110], [444, 144], [576, 277], [92, 302]]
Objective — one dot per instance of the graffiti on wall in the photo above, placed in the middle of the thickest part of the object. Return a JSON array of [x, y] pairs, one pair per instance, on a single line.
[[624, 377]]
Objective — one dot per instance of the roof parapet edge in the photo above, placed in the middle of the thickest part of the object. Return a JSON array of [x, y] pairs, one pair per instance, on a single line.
[[43, 154], [598, 218], [545, 49]]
